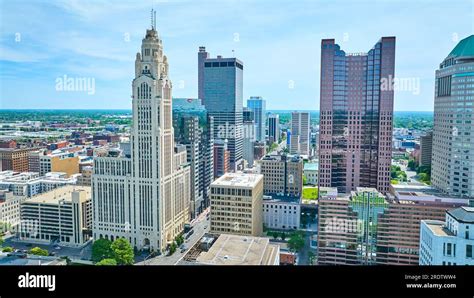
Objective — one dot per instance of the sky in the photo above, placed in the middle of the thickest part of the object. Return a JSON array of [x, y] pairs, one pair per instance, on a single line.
[[45, 43]]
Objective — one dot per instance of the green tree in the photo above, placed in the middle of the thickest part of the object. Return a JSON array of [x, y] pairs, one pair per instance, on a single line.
[[412, 165], [122, 252], [7, 249], [296, 242], [101, 250], [179, 239], [172, 249], [107, 262], [305, 180], [283, 236], [275, 235], [1, 241], [39, 251]]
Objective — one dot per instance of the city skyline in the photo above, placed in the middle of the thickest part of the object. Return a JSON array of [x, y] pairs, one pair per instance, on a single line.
[[34, 51]]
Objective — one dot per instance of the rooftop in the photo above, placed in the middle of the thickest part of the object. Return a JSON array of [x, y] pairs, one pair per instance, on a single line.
[[438, 228], [58, 194], [465, 48], [240, 250], [312, 166], [463, 214], [238, 180]]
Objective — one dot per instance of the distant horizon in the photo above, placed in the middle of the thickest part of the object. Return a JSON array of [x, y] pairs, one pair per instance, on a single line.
[[101, 109]]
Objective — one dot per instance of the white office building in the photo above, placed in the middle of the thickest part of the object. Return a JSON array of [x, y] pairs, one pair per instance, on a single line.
[[450, 242], [281, 213]]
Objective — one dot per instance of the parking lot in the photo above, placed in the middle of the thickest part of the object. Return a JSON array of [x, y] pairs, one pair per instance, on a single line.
[[83, 253]]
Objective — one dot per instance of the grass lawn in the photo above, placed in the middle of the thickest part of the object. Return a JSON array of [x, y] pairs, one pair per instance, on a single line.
[[310, 193]]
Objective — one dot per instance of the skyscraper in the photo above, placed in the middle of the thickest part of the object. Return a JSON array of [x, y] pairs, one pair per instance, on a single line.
[[249, 129], [273, 128], [300, 130], [145, 197], [258, 105], [192, 127], [452, 169], [221, 89], [355, 137]]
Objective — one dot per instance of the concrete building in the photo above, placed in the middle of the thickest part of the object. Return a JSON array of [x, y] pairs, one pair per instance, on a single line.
[[63, 215], [274, 135], [398, 234], [426, 149], [452, 168], [450, 242], [220, 86], [236, 204], [300, 133], [282, 175], [145, 198], [249, 133], [235, 250], [12, 159], [59, 161], [258, 105], [9, 210], [29, 184], [310, 171], [356, 116], [221, 158], [85, 178], [282, 213]]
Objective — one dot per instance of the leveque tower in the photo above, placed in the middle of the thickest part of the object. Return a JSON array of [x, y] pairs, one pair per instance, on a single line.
[[141, 191]]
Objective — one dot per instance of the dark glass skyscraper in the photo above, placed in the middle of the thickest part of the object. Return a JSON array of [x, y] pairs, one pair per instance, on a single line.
[[356, 116], [221, 85]]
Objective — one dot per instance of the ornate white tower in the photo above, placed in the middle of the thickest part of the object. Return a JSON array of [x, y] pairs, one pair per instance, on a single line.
[[156, 206]]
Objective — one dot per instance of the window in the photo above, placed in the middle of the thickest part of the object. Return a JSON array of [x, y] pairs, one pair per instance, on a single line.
[[468, 251], [449, 249]]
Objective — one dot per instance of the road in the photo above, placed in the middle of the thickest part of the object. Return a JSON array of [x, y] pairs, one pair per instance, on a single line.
[[200, 226]]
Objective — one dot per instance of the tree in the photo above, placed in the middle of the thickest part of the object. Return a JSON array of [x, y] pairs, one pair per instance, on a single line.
[[1, 241], [107, 262], [412, 165], [179, 239], [305, 180], [296, 242], [39, 251], [101, 250], [173, 248], [283, 236], [122, 252], [7, 249], [275, 235]]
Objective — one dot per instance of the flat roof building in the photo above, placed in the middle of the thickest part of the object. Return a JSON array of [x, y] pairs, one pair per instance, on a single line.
[[241, 250], [236, 204]]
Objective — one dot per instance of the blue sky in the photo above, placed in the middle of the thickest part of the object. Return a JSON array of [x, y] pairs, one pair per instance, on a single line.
[[278, 41]]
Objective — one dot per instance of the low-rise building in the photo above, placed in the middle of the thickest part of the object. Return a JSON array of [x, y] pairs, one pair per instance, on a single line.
[[9, 211], [63, 215], [240, 250], [311, 171], [236, 204], [29, 184], [450, 242], [281, 212]]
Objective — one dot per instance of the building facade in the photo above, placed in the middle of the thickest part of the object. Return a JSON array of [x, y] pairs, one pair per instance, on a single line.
[[282, 213], [236, 204], [453, 158], [274, 129], [450, 242], [426, 149], [221, 90], [62, 216], [145, 198], [300, 133], [282, 175], [356, 116], [12, 159], [258, 105], [249, 133]]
